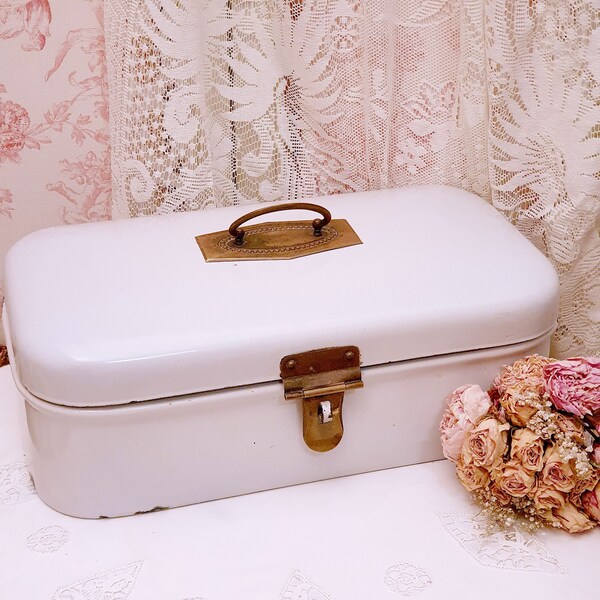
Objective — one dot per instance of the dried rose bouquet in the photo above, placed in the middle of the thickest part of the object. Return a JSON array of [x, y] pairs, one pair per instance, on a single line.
[[529, 449]]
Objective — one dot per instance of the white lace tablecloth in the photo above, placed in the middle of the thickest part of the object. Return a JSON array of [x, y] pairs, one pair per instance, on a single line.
[[400, 533]]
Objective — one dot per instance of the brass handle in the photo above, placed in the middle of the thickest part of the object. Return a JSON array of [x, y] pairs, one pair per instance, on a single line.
[[317, 224]]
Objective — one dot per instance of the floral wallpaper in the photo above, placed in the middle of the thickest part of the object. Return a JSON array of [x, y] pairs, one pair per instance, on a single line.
[[54, 141]]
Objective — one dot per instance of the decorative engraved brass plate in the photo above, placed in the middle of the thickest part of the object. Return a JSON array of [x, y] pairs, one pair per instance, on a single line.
[[318, 379], [278, 240]]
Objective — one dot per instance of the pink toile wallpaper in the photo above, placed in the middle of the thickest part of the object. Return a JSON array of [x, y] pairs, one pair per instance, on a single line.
[[54, 141]]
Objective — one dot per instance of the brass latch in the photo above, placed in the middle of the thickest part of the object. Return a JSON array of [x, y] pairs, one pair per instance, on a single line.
[[319, 379]]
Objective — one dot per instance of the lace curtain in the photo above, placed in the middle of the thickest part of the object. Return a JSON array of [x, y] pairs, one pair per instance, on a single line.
[[219, 102], [544, 145]]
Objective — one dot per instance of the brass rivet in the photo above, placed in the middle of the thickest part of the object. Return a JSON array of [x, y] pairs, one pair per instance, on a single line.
[[349, 355], [291, 364]]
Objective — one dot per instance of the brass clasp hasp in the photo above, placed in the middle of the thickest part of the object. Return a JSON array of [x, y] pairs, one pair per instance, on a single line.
[[319, 379]]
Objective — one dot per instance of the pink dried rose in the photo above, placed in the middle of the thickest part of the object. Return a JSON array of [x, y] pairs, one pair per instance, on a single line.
[[590, 502], [527, 448], [574, 385], [466, 406], [514, 479], [486, 444], [569, 518]]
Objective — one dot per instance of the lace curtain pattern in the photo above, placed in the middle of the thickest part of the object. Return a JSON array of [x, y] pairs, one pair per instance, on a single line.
[[219, 102], [544, 145]]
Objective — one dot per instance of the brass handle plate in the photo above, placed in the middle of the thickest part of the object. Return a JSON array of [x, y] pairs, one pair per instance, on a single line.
[[278, 240]]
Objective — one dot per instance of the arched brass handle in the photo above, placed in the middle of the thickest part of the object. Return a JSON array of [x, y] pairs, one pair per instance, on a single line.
[[317, 224]]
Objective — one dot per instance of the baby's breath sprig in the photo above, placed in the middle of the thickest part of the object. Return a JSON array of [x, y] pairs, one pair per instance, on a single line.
[[521, 513], [543, 422]]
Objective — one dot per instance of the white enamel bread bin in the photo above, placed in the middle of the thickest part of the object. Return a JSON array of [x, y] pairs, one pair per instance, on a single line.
[[152, 378]]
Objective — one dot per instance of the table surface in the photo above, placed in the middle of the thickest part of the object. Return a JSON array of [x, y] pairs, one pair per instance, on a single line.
[[408, 532]]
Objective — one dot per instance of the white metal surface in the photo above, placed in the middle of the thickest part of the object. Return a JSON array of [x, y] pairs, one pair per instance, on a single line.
[[110, 313], [111, 461]]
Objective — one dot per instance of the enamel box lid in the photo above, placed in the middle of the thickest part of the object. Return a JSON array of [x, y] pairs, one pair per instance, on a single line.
[[111, 313]]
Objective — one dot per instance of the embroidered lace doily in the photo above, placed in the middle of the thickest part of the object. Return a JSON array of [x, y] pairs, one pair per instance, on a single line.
[[510, 548]]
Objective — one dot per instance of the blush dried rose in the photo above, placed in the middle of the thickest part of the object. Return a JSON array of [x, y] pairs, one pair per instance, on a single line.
[[471, 476], [556, 473], [525, 374], [528, 449], [452, 436], [499, 495], [514, 479], [574, 385], [466, 406], [516, 408], [569, 518], [546, 498], [590, 502], [582, 486], [572, 427], [486, 445]]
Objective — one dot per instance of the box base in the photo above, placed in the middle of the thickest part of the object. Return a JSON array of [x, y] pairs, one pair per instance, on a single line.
[[123, 460]]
